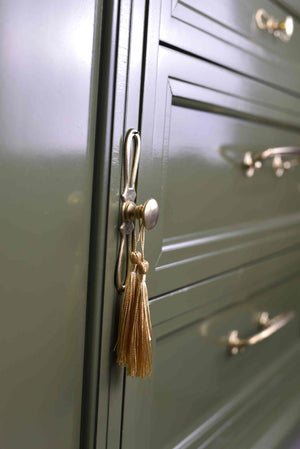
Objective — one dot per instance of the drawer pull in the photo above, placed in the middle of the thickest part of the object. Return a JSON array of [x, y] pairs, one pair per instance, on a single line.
[[269, 326], [282, 30], [254, 161], [134, 346], [147, 212]]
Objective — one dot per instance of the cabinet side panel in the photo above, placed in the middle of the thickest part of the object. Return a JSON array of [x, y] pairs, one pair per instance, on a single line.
[[45, 184]]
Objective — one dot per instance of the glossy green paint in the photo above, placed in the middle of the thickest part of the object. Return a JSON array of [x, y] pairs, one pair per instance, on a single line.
[[200, 395], [195, 132], [119, 96], [47, 132], [226, 33], [225, 246], [290, 6]]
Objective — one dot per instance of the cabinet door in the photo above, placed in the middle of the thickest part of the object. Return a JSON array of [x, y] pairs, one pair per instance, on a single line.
[[45, 185], [195, 133], [196, 121], [199, 395]]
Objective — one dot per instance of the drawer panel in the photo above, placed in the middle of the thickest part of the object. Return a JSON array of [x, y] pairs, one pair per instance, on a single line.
[[226, 32], [292, 6], [213, 218], [201, 395]]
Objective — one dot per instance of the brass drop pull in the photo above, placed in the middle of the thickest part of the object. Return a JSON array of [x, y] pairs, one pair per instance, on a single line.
[[147, 212], [268, 327], [282, 30], [254, 161]]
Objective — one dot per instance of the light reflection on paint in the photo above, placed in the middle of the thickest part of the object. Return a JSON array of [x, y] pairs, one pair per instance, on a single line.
[[80, 39]]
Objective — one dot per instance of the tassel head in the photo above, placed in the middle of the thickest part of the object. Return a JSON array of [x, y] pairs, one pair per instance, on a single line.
[[143, 267]]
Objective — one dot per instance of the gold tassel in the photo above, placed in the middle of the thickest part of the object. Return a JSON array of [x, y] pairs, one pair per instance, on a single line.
[[141, 345], [126, 321]]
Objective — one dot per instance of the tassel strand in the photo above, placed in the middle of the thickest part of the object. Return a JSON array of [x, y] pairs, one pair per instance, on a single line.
[[134, 345]]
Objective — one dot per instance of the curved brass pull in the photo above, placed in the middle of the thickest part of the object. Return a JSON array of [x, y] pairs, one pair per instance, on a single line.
[[129, 193], [269, 326], [283, 30], [147, 212], [253, 161]]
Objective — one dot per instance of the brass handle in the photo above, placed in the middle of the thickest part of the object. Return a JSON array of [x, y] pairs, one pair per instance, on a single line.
[[269, 327], [254, 161], [147, 212], [282, 30]]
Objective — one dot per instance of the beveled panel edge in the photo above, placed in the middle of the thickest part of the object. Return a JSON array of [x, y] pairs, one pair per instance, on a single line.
[[215, 28], [204, 73], [288, 7], [257, 396], [205, 97], [223, 261], [283, 427], [233, 36], [203, 298], [175, 251], [138, 392], [227, 48], [221, 81]]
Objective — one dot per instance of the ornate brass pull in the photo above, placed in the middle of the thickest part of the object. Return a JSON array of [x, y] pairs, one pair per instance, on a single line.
[[269, 326], [254, 161], [282, 30], [147, 212]]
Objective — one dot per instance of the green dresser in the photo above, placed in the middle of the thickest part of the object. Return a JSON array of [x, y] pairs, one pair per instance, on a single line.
[[207, 89]]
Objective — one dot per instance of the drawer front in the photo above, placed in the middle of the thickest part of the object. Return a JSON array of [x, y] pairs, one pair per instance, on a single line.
[[292, 6], [226, 32], [212, 216], [201, 395]]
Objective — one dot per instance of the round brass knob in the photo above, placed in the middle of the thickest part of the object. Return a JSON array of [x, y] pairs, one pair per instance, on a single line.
[[283, 30], [287, 26], [148, 212]]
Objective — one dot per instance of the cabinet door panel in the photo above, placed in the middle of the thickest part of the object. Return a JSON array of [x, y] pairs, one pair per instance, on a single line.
[[213, 217], [201, 395]]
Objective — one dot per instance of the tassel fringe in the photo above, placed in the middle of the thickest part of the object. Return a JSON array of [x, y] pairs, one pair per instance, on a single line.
[[134, 344], [141, 346], [125, 324]]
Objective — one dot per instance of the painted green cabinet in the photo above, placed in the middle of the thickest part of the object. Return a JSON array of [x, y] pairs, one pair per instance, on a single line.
[[200, 395], [204, 86], [213, 218], [226, 33]]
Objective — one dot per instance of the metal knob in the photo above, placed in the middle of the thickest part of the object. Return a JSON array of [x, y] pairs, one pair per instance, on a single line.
[[283, 30], [148, 212]]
